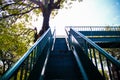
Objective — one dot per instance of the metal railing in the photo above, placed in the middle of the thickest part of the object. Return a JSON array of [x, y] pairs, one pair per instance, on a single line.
[[23, 67], [83, 73], [104, 36], [108, 66], [94, 28]]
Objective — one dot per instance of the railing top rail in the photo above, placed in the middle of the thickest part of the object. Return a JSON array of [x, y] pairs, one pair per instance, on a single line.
[[95, 28], [101, 33], [22, 59], [103, 52]]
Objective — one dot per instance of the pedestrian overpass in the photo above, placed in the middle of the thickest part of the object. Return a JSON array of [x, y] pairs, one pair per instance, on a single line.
[[77, 56]]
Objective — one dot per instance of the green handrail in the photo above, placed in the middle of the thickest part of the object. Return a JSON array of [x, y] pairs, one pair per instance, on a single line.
[[90, 48], [33, 53], [95, 28], [82, 70], [102, 51]]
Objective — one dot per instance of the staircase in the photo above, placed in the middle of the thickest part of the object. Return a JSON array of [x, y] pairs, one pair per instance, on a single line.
[[84, 61], [61, 63]]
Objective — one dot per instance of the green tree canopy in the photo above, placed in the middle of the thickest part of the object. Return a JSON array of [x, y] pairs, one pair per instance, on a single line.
[[14, 42], [14, 16], [14, 9]]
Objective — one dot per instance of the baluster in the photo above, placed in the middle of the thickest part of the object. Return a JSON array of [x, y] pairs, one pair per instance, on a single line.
[[21, 71], [35, 55], [101, 65], [15, 75], [90, 53], [31, 60], [26, 68], [94, 54], [86, 47], [118, 73], [115, 72], [109, 69]]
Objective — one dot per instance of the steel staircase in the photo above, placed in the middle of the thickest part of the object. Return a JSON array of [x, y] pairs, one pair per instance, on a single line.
[[75, 57]]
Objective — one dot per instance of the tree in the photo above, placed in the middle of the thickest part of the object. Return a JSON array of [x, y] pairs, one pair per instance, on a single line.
[[15, 8], [14, 15], [14, 42]]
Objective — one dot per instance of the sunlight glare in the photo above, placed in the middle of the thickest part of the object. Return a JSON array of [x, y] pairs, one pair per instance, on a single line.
[[86, 13]]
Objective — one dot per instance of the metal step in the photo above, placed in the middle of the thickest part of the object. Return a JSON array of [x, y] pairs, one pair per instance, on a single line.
[[61, 63], [60, 45]]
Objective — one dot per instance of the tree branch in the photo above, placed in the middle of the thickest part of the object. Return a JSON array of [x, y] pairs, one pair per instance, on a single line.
[[56, 5], [19, 13], [38, 3], [10, 4], [51, 1]]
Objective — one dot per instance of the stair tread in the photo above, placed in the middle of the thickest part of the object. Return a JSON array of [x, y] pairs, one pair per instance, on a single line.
[[61, 64]]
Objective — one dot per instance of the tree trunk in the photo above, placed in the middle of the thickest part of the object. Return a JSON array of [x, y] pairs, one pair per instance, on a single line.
[[46, 17]]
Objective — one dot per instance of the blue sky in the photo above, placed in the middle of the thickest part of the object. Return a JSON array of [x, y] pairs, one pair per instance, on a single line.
[[111, 9], [89, 13], [92, 12]]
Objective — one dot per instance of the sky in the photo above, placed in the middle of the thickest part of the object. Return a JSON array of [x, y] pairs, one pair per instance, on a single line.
[[88, 13]]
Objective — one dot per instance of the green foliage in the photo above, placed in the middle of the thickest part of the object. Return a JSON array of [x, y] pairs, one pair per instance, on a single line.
[[37, 11], [67, 4], [15, 38], [14, 42], [106, 74], [20, 6], [115, 52]]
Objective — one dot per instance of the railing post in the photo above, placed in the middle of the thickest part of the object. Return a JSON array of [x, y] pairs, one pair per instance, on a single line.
[[95, 59], [109, 69], [26, 68], [90, 53], [15, 76], [100, 57], [70, 40], [21, 71], [86, 43], [86, 47]]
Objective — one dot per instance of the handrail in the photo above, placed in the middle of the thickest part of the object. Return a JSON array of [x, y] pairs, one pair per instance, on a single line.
[[96, 53], [102, 51], [52, 41], [101, 35], [28, 60], [95, 28], [76, 57], [80, 64], [54, 37]]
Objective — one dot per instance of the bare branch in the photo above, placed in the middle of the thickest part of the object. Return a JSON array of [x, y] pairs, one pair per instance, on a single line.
[[56, 5], [51, 1], [19, 13], [38, 3], [35, 2], [6, 5]]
